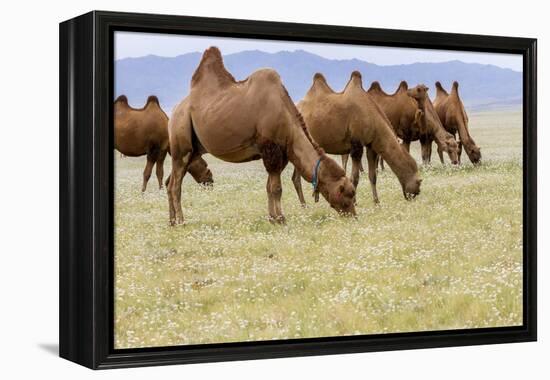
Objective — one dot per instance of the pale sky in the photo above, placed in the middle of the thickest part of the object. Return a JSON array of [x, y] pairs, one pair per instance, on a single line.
[[136, 44]]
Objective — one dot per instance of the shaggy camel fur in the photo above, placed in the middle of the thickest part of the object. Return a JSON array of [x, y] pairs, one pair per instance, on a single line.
[[249, 120], [345, 122], [413, 117], [144, 131], [451, 111]]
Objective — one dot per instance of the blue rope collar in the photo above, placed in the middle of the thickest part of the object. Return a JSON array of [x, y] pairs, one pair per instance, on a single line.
[[315, 181]]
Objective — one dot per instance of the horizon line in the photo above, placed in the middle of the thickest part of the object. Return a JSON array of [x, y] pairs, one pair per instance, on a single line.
[[329, 59]]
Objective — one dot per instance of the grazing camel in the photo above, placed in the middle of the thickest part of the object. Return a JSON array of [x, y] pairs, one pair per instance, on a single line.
[[413, 117], [249, 120], [345, 122], [144, 131], [451, 111]]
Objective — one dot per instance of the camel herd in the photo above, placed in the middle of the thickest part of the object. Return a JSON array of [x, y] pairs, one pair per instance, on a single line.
[[252, 119]]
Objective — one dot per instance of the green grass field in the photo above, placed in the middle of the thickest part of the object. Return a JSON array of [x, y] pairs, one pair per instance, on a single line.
[[450, 259]]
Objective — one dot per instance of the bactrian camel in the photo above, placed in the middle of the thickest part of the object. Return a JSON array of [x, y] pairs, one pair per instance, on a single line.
[[348, 121], [144, 131], [239, 121], [453, 115]]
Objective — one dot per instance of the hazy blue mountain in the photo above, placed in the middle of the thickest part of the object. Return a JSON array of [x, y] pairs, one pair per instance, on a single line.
[[169, 77]]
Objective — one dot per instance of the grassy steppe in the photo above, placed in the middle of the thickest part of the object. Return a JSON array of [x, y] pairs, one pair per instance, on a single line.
[[450, 259]]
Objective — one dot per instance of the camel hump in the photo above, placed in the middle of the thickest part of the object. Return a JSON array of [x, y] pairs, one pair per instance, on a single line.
[[122, 99], [319, 77], [355, 80], [212, 64], [152, 99], [320, 84], [375, 86], [213, 53], [403, 86], [439, 88], [455, 88]]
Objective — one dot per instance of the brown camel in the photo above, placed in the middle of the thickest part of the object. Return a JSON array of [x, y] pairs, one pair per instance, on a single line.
[[345, 122], [249, 120], [413, 117], [144, 131], [451, 111]]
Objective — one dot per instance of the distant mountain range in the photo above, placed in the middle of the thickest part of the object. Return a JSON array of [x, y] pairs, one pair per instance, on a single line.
[[481, 86]]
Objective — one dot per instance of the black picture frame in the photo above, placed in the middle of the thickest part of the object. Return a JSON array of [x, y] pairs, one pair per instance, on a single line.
[[86, 189]]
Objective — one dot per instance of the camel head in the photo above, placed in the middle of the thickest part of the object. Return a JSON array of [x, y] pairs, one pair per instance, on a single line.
[[451, 147], [473, 152], [409, 179], [419, 92], [198, 168], [411, 188], [336, 188]]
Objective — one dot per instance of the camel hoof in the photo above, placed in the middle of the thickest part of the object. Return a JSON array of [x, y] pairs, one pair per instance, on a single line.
[[280, 219], [304, 205], [175, 222]]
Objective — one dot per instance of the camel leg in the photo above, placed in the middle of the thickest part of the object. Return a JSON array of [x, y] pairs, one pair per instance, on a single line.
[[179, 167], [440, 153], [171, 208], [345, 158], [371, 159], [406, 145], [160, 167], [274, 194], [426, 147], [297, 181], [356, 153], [381, 160], [151, 159], [355, 172], [459, 150]]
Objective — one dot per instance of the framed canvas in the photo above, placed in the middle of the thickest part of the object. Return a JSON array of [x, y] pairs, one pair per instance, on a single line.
[[395, 250]]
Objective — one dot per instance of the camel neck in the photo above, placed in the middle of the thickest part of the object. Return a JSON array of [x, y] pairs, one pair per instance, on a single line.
[[433, 124], [438, 132], [397, 160], [464, 135], [302, 154], [386, 145]]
